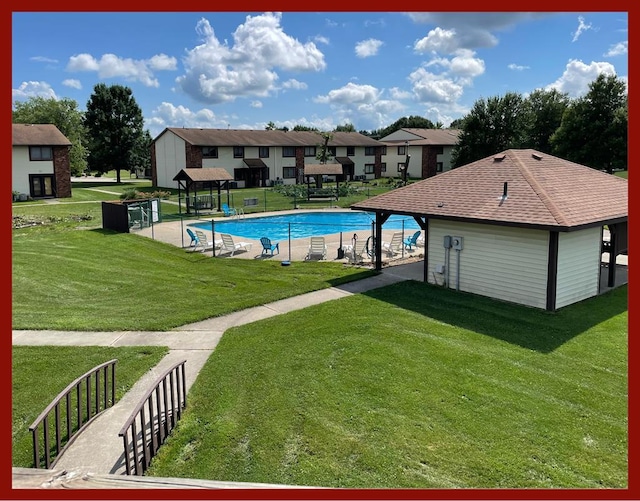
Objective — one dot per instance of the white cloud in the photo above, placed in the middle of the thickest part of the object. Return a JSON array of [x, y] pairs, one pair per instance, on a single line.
[[582, 27], [397, 93], [350, 94], [30, 89], [256, 104], [169, 115], [217, 73], [321, 39], [112, 66], [517, 67], [370, 23], [438, 41], [577, 76], [73, 83], [292, 83], [368, 48], [465, 65], [618, 49], [431, 88], [42, 59]]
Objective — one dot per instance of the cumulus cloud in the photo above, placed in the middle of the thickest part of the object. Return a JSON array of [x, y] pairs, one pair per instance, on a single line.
[[30, 89], [169, 115], [256, 104], [321, 39], [582, 27], [517, 67], [73, 83], [112, 66], [619, 49], [350, 94], [577, 76], [431, 88], [218, 72], [438, 40], [294, 84], [368, 48]]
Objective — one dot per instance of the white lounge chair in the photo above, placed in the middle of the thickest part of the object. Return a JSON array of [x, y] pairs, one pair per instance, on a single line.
[[317, 248], [228, 245], [203, 243], [395, 245]]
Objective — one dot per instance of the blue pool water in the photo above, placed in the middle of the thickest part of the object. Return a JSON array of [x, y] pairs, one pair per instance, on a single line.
[[305, 224]]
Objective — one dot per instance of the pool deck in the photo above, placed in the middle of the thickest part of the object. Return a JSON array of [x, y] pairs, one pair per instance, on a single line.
[[174, 233]]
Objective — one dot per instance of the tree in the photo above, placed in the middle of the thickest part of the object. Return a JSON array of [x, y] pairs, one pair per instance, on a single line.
[[492, 125], [594, 128], [411, 122], [345, 128], [544, 110], [114, 123], [62, 113], [304, 128], [140, 154], [323, 151]]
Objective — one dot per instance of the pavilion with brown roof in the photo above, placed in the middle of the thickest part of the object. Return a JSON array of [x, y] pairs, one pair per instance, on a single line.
[[521, 226], [207, 177]]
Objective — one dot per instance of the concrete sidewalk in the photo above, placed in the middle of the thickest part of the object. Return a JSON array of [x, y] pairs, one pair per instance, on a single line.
[[99, 449]]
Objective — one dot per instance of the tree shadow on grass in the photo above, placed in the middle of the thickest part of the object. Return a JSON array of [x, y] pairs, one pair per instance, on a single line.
[[529, 328]]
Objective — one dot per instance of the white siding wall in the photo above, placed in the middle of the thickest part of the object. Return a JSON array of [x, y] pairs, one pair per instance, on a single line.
[[496, 261], [170, 159], [21, 167], [578, 266], [445, 158]]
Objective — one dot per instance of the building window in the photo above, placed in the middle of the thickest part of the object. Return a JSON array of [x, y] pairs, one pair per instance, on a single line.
[[40, 153], [369, 150], [332, 151], [383, 167], [384, 150], [288, 151], [402, 150], [238, 152], [210, 152], [289, 172], [309, 151], [369, 168], [400, 166], [351, 151], [438, 166], [263, 152]]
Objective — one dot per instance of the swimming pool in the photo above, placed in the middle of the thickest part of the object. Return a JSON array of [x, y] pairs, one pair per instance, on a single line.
[[306, 224]]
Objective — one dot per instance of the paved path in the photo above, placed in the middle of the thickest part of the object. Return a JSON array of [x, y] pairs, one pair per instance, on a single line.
[[99, 449]]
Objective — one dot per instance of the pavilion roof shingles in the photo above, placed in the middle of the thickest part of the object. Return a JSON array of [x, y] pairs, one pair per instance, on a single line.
[[240, 137], [203, 175], [542, 190], [323, 169], [38, 135]]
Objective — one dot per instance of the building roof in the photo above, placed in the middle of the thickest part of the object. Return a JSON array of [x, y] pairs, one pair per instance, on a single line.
[[543, 191], [323, 169], [344, 160], [434, 137], [204, 174], [254, 162], [38, 135], [234, 137]]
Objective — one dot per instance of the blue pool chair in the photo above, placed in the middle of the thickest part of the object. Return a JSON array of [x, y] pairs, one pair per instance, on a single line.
[[411, 241], [194, 239], [268, 246], [228, 211]]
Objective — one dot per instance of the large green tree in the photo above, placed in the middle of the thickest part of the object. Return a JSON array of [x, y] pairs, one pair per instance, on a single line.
[[544, 110], [493, 125], [114, 125], [64, 114], [410, 122], [594, 127]]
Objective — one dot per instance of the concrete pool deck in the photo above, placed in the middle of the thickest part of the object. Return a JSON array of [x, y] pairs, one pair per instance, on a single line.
[[174, 233]]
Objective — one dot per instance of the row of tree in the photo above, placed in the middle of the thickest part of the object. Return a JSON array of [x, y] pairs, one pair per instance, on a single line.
[[109, 135], [591, 130]]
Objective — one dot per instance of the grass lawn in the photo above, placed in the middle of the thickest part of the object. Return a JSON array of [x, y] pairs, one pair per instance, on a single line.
[[414, 386], [39, 373]]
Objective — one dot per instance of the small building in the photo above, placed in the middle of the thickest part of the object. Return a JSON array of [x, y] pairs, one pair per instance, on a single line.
[[257, 158], [40, 164], [429, 151], [520, 226]]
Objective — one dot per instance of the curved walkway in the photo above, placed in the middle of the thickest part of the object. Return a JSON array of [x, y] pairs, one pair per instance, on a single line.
[[99, 449]]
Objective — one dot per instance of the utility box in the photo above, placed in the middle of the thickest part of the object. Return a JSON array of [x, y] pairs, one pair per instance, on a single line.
[[447, 242], [457, 243], [439, 269]]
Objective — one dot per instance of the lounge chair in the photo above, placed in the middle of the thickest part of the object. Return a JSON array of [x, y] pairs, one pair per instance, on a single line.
[[317, 248], [203, 243], [268, 246], [395, 245], [228, 211], [228, 245], [409, 242], [194, 239], [356, 253]]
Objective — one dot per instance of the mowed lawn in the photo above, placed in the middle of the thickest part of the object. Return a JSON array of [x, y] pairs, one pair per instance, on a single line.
[[414, 386]]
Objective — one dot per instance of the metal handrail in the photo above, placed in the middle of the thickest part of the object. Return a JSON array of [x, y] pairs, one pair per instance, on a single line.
[[91, 411], [155, 422]]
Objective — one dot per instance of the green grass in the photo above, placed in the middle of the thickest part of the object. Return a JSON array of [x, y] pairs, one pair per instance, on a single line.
[[39, 373], [414, 386]]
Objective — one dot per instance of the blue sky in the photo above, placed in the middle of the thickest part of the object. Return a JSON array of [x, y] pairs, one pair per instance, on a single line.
[[319, 69]]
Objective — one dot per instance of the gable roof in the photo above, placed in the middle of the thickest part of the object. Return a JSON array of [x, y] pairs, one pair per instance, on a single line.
[[319, 169], [38, 135], [204, 174], [543, 191], [235, 137]]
